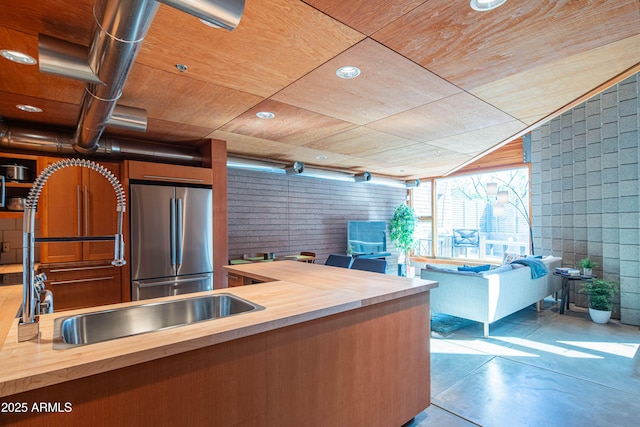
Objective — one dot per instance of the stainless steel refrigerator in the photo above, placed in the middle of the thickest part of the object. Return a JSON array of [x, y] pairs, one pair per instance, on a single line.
[[171, 240]]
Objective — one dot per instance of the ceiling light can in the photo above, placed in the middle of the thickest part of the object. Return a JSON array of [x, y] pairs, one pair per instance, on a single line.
[[348, 72], [265, 115], [484, 5], [19, 57]]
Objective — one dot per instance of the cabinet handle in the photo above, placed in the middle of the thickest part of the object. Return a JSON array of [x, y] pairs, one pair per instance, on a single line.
[[85, 199], [91, 279], [79, 217], [62, 270]]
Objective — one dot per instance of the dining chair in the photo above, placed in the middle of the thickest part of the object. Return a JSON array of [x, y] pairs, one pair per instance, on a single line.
[[310, 261], [339, 260], [370, 264], [466, 238]]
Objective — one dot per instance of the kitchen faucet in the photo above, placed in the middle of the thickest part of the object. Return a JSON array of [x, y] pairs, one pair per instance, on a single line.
[[28, 327]]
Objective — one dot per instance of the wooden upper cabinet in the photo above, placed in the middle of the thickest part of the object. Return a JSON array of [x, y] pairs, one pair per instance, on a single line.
[[169, 173], [76, 202]]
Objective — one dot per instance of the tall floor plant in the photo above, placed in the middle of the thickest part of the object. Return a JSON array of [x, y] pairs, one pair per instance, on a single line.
[[402, 227]]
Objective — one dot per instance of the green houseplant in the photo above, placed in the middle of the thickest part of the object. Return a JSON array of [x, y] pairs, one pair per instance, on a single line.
[[587, 266], [600, 294], [401, 229]]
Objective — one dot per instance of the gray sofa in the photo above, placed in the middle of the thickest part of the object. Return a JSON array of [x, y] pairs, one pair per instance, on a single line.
[[490, 295]]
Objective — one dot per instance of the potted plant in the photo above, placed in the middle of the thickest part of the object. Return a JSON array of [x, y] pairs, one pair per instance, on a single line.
[[401, 229], [587, 266], [600, 294]]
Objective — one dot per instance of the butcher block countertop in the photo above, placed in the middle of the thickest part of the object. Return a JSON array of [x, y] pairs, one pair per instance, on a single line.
[[296, 292]]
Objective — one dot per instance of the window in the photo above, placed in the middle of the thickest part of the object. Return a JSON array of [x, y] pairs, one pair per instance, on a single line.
[[421, 202], [474, 220]]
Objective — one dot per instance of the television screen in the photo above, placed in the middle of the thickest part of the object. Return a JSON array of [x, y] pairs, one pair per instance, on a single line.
[[366, 237]]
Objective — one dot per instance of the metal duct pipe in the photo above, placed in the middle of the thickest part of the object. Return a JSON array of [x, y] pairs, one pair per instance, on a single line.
[[225, 14], [48, 142], [63, 58], [120, 28]]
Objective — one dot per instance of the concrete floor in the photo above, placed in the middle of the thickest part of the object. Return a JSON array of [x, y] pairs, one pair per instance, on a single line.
[[536, 369]]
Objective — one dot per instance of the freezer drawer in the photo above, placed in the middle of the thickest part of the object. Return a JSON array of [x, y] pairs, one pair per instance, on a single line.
[[169, 286]]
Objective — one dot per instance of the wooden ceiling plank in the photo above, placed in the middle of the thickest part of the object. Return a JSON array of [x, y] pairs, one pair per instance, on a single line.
[[366, 16], [384, 75], [534, 93], [454, 115], [275, 43], [470, 49], [291, 125]]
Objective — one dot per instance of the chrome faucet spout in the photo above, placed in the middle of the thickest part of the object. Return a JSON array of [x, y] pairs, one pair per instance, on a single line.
[[28, 327]]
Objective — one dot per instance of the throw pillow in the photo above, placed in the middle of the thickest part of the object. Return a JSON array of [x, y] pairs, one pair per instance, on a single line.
[[475, 268], [508, 257]]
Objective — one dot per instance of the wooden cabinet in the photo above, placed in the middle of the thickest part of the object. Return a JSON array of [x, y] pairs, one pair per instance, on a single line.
[[169, 173], [78, 201], [83, 286], [235, 280]]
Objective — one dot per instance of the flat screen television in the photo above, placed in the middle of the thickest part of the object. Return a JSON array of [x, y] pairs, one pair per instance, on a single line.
[[366, 237]]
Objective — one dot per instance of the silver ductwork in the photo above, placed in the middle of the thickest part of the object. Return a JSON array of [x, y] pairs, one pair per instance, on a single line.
[[18, 139], [120, 28]]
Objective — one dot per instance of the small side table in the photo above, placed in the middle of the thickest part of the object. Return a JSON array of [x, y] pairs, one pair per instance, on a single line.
[[565, 287]]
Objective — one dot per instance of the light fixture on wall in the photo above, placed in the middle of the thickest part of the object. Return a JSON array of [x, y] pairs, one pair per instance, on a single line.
[[295, 169], [259, 165], [412, 184], [254, 165]]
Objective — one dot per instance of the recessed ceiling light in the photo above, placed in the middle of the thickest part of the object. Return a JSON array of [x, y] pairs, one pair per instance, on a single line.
[[181, 67], [29, 108], [321, 157], [19, 57], [483, 5], [348, 72], [265, 115]]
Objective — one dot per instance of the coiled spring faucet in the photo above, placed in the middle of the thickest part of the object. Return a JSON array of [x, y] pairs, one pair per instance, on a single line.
[[28, 328]]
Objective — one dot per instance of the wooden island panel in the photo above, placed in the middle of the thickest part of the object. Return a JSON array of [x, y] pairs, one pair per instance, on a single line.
[[369, 366]]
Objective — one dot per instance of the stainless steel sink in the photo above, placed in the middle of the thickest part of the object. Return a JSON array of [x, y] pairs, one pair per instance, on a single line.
[[90, 328]]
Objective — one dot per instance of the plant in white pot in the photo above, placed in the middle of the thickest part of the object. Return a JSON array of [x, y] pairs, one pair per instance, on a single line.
[[587, 266], [600, 294], [401, 229]]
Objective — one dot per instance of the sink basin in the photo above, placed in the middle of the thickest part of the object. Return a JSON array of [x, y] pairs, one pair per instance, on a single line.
[[98, 326]]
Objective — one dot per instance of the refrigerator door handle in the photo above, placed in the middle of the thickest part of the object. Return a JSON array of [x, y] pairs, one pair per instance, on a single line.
[[172, 281], [172, 234], [179, 227]]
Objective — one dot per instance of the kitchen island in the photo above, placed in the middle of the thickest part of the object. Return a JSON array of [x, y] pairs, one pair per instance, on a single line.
[[332, 347]]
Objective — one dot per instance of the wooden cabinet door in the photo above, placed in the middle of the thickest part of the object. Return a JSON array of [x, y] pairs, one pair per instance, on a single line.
[[84, 286], [99, 215], [61, 213]]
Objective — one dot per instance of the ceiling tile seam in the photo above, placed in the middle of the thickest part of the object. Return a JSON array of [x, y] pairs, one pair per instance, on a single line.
[[528, 128], [358, 31], [442, 99]]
